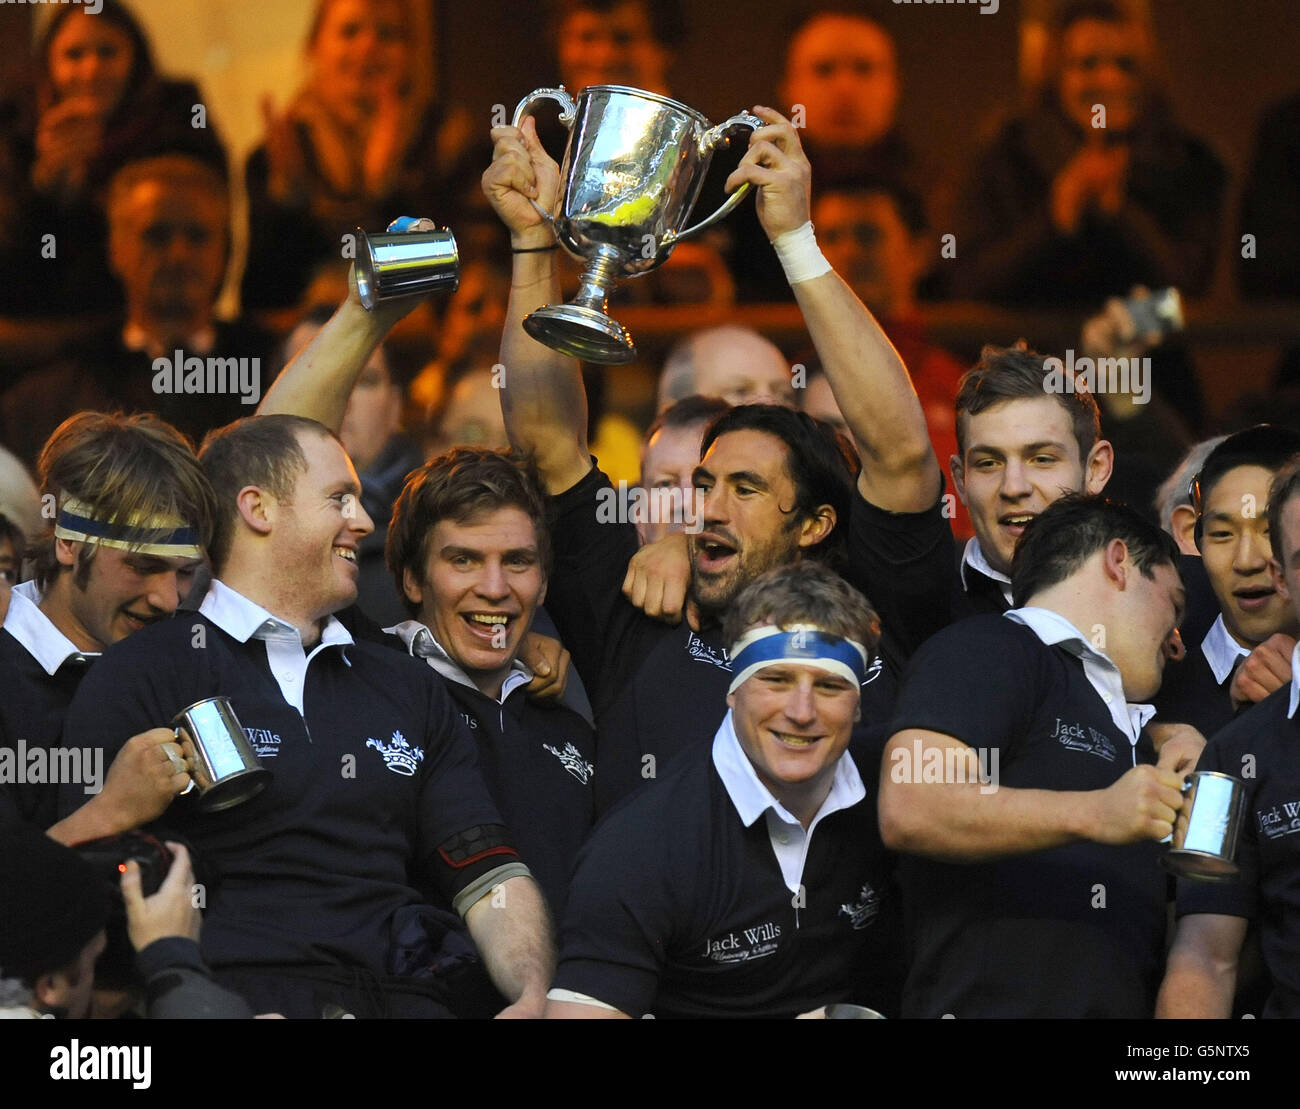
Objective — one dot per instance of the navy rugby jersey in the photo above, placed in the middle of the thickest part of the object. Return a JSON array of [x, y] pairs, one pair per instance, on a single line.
[[42, 670], [1260, 748], [681, 909], [536, 757], [377, 774], [1072, 931]]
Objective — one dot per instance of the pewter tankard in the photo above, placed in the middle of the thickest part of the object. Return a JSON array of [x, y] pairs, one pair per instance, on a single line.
[[632, 171], [1204, 840]]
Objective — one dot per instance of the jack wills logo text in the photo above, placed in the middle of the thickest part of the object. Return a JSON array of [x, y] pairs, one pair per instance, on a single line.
[[749, 943], [1077, 737]]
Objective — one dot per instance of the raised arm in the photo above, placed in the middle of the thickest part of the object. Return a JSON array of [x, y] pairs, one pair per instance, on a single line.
[[870, 382], [542, 398]]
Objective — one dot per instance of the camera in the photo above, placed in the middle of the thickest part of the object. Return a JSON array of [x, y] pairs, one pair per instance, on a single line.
[[109, 856]]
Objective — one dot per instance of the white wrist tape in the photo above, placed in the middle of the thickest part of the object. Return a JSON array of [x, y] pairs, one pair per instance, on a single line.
[[799, 256]]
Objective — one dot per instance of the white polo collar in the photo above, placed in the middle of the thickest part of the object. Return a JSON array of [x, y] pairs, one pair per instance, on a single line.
[[36, 631], [1295, 681], [1102, 674], [420, 643], [973, 556], [243, 619], [753, 799], [1221, 651]]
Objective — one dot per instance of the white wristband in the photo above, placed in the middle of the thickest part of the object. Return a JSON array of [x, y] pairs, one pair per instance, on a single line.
[[799, 255]]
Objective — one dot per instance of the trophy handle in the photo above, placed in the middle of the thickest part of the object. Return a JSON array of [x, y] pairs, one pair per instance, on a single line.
[[710, 141], [568, 114]]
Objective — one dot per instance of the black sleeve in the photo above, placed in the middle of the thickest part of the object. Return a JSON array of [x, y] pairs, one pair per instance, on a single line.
[[461, 834], [178, 985], [584, 594], [975, 681], [618, 925], [903, 562]]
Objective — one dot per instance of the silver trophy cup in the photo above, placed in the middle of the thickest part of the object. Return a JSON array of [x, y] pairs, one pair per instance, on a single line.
[[1204, 840], [222, 766], [402, 262], [632, 171]]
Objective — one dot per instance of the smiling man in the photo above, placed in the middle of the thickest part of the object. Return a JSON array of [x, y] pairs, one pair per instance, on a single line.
[[1246, 654], [1020, 448], [1030, 874], [470, 551], [375, 784], [134, 514], [751, 882]]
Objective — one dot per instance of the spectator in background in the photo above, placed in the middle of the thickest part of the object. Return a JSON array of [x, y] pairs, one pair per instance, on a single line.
[[633, 43], [469, 413], [1095, 188], [841, 78], [734, 363], [1173, 503], [669, 454], [1270, 207], [361, 143], [1270, 213], [474, 315], [1146, 419], [383, 455], [617, 42], [98, 104], [169, 244]]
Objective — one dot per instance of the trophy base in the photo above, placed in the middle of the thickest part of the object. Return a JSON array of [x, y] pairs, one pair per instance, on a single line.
[[581, 333]]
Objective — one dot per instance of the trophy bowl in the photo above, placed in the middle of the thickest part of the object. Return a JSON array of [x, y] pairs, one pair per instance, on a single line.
[[633, 168]]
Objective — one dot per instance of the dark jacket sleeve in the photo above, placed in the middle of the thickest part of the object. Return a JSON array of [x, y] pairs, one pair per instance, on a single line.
[[179, 986]]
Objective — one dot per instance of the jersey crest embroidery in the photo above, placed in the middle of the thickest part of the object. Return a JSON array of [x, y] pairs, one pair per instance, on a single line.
[[863, 911], [399, 756], [702, 652], [573, 761]]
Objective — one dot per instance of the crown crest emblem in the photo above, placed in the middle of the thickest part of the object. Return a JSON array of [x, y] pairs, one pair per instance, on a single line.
[[399, 756]]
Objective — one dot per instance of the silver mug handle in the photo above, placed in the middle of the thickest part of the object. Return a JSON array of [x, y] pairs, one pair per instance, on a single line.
[[568, 113], [709, 141]]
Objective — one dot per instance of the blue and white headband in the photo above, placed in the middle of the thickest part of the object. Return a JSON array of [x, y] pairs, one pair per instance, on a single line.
[[801, 644], [165, 536]]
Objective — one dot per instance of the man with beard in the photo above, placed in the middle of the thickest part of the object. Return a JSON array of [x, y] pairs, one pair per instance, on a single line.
[[773, 485]]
